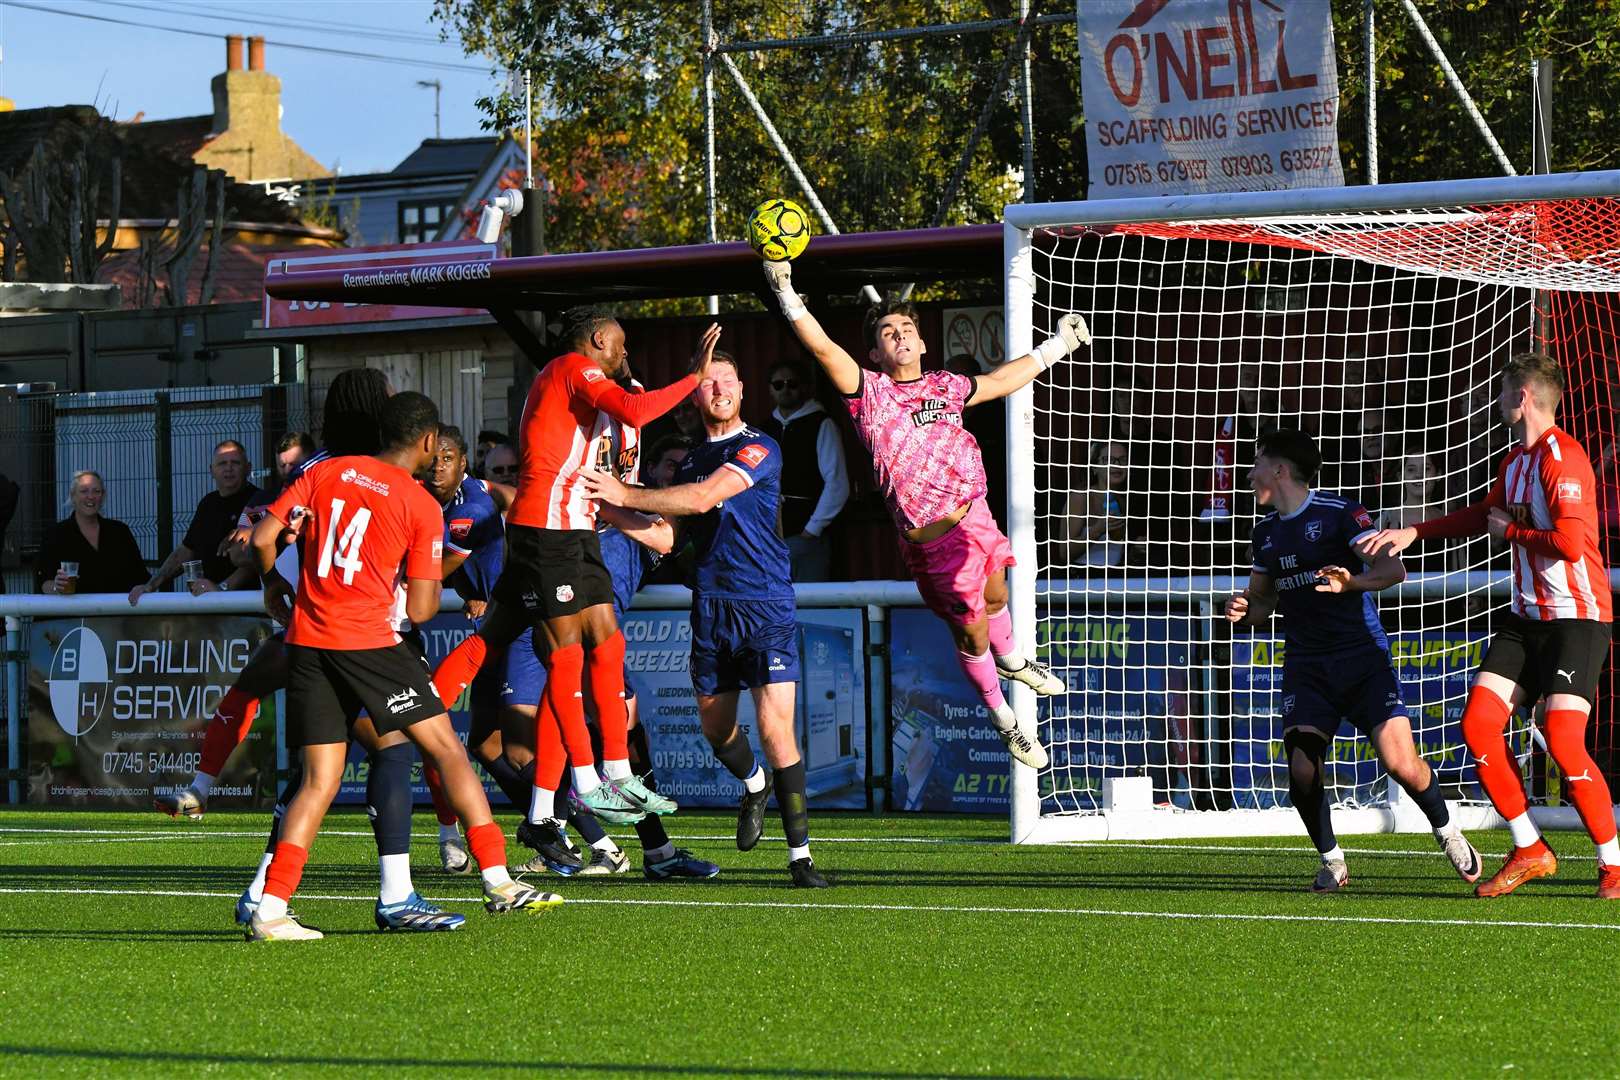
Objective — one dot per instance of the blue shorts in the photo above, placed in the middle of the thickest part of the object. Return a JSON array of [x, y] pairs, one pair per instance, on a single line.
[[741, 644], [1319, 692], [523, 676]]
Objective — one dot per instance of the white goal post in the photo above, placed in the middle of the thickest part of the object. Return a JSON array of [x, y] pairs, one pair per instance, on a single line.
[[1376, 319]]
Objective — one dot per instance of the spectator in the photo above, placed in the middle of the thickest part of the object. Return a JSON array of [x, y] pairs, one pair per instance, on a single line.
[[487, 441], [501, 464], [815, 483], [1096, 515], [292, 451], [212, 524], [108, 557], [9, 492], [667, 454], [1420, 496], [658, 470]]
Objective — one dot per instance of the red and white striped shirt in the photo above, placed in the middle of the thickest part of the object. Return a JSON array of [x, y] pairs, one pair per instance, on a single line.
[[568, 419], [1550, 491]]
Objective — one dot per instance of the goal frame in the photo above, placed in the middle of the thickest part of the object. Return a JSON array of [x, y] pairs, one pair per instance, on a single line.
[[1020, 221]]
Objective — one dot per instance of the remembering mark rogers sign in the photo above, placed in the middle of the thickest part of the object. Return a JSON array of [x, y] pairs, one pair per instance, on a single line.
[[1209, 95], [119, 706], [367, 268], [419, 275]]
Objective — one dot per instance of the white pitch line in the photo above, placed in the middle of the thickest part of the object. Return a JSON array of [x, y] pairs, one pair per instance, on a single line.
[[202, 832], [1266, 849], [953, 909]]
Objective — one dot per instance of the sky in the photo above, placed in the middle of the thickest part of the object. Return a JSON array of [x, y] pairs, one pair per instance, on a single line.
[[353, 115]]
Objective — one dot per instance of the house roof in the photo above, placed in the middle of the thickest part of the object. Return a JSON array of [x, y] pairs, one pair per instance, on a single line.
[[152, 174], [179, 138], [448, 156], [239, 274]]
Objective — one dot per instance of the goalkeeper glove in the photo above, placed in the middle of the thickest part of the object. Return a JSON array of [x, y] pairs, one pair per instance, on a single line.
[[780, 276], [1072, 333]]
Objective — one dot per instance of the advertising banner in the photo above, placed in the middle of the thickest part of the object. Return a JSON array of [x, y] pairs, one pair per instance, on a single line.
[[1186, 96], [393, 264], [1126, 710], [831, 705], [1435, 670], [832, 720], [440, 635], [117, 708]]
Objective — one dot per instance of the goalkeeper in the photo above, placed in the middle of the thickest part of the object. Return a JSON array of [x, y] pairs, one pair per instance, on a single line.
[[932, 477], [1337, 664]]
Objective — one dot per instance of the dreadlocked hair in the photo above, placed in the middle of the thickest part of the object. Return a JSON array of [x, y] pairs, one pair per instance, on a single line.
[[354, 405]]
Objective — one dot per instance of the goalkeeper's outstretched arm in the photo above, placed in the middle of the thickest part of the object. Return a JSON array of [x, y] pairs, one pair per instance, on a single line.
[[1072, 332], [840, 367]]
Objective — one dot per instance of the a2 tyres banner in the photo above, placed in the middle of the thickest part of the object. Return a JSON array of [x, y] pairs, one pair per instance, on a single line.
[[117, 708]]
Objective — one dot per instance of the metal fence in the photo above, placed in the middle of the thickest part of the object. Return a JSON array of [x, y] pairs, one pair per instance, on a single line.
[[152, 448]]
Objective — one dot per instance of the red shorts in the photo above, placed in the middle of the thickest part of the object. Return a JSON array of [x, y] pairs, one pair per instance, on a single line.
[[951, 570]]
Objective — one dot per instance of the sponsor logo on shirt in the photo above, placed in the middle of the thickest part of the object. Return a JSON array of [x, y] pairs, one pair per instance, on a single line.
[[404, 701], [752, 454], [354, 476], [1569, 491], [1313, 531], [934, 410], [461, 528], [1363, 518]]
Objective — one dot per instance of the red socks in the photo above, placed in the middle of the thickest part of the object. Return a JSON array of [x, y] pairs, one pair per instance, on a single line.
[[607, 694], [1484, 721], [227, 729], [565, 671], [435, 786], [456, 671], [286, 870], [487, 844], [1584, 784], [549, 758]]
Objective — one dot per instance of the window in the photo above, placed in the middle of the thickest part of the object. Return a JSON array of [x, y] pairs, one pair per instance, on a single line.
[[420, 221]]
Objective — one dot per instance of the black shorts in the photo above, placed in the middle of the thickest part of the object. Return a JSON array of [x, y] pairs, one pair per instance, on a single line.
[[1558, 656], [1319, 692], [550, 573], [328, 688]]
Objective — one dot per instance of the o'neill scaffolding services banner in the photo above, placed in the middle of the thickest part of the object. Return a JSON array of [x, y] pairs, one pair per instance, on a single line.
[[1188, 96]]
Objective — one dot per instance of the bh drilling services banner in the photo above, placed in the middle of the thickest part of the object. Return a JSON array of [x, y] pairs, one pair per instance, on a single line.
[[1188, 96], [117, 709]]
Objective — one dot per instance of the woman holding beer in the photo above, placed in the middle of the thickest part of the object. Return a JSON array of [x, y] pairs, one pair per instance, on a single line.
[[85, 552]]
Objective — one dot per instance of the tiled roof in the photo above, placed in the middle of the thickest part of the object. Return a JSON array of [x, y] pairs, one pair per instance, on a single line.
[[239, 276]]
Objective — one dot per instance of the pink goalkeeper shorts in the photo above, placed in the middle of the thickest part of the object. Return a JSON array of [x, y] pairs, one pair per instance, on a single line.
[[951, 570]]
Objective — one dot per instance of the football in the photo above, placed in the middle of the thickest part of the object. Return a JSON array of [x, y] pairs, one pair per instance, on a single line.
[[778, 229]]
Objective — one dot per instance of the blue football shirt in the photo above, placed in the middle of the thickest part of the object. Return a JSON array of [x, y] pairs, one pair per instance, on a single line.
[[628, 563], [740, 551], [1291, 549], [473, 528]]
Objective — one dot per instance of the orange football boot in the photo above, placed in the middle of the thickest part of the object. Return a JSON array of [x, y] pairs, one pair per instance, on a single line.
[[1525, 864], [1608, 882]]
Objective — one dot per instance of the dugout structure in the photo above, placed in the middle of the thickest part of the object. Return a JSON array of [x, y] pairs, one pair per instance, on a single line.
[[1375, 318]]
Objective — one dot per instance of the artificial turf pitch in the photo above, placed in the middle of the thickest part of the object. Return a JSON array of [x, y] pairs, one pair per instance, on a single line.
[[940, 952]]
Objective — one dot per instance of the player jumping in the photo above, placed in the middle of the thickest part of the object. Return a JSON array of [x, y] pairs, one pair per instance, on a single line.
[[1555, 641], [744, 630], [932, 475], [1337, 665]]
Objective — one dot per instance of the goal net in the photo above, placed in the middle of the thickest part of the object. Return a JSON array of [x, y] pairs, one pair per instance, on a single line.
[[1375, 319]]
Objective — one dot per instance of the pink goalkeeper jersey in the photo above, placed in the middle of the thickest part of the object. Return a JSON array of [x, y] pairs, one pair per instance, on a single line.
[[926, 462]]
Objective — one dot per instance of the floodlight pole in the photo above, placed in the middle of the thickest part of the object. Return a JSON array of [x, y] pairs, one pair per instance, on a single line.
[[1458, 88], [788, 159], [1369, 43], [1026, 101], [709, 43]]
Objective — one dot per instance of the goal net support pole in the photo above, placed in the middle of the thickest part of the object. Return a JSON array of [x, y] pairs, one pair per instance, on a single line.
[[1471, 234]]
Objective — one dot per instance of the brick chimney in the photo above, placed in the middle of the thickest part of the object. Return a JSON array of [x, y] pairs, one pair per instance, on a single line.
[[247, 141]]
